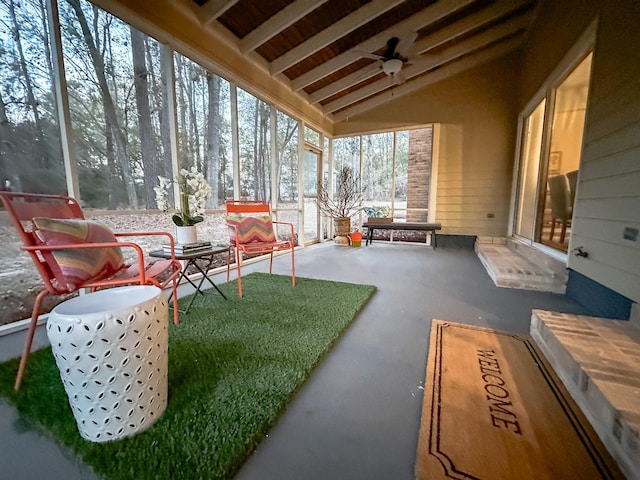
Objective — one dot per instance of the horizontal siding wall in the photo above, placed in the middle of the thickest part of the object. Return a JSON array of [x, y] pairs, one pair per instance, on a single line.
[[608, 194], [470, 195]]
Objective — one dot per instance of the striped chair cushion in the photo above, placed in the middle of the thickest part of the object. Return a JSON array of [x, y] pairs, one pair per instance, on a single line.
[[77, 266], [251, 229]]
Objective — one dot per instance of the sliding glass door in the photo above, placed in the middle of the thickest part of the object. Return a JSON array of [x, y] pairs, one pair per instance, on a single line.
[[529, 170], [550, 152]]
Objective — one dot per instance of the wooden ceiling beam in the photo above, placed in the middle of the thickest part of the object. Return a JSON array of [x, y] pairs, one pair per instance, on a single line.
[[213, 9], [449, 32], [473, 44], [466, 24], [419, 20], [277, 23], [346, 82], [339, 29], [423, 59], [475, 59]]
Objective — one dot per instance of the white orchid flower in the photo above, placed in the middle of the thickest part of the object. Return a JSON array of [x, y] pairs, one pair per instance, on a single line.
[[194, 192]]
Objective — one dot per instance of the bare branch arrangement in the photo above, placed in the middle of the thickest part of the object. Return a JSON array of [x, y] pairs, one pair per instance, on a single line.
[[346, 201]]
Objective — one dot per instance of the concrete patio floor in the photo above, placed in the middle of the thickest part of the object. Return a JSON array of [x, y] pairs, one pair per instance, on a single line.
[[358, 415]]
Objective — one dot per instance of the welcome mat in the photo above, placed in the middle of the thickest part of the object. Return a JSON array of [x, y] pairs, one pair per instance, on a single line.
[[494, 409]]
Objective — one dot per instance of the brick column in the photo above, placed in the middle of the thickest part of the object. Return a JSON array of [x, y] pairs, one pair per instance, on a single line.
[[420, 149]]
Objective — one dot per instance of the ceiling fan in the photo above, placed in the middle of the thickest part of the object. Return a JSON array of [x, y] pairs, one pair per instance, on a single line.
[[392, 60]]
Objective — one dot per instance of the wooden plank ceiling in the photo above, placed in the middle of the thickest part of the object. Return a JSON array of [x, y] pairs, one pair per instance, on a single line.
[[335, 52]]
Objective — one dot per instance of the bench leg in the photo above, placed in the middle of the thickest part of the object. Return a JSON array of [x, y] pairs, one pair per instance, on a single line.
[[434, 239]]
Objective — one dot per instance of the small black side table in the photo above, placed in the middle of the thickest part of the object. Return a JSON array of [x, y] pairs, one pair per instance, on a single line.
[[192, 259]]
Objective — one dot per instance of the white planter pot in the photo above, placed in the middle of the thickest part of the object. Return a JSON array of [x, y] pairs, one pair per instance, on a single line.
[[341, 240], [111, 349], [185, 235]]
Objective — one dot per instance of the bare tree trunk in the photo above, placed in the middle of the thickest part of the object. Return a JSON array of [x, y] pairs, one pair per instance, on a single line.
[[183, 133], [165, 132], [109, 107], [147, 145], [5, 133], [159, 88], [256, 185], [213, 136], [4, 120], [47, 46], [111, 164], [288, 135], [369, 180], [264, 174], [194, 137], [22, 65]]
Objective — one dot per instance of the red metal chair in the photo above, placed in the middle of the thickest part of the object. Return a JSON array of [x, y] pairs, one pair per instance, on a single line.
[[251, 231], [71, 253]]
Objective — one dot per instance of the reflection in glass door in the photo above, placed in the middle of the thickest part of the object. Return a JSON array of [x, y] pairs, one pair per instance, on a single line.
[[550, 161], [311, 217], [565, 147]]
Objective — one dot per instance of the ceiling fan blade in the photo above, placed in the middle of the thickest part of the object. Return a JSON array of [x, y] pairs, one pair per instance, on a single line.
[[367, 72], [399, 78], [405, 45], [372, 56]]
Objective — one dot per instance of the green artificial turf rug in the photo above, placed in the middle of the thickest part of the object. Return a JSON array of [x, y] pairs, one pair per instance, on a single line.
[[233, 367]]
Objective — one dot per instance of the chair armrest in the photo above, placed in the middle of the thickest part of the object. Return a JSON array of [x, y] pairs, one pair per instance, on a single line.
[[290, 227], [172, 241], [80, 246], [143, 234], [235, 233]]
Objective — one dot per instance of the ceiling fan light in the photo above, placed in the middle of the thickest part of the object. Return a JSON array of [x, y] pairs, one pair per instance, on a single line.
[[392, 66]]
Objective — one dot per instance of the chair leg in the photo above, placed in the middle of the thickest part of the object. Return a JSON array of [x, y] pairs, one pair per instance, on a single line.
[[176, 318], [553, 229], [29, 341], [228, 262], [293, 267], [563, 231], [271, 262], [238, 265]]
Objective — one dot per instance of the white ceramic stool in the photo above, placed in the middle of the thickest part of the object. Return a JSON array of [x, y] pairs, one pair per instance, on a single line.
[[111, 349]]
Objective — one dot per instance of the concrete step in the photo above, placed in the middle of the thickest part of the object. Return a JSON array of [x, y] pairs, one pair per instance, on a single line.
[[598, 360], [508, 268]]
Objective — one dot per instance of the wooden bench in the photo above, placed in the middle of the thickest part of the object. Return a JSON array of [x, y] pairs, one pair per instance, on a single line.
[[388, 224]]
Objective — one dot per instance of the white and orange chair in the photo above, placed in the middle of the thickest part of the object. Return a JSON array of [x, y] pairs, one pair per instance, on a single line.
[[72, 253]]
